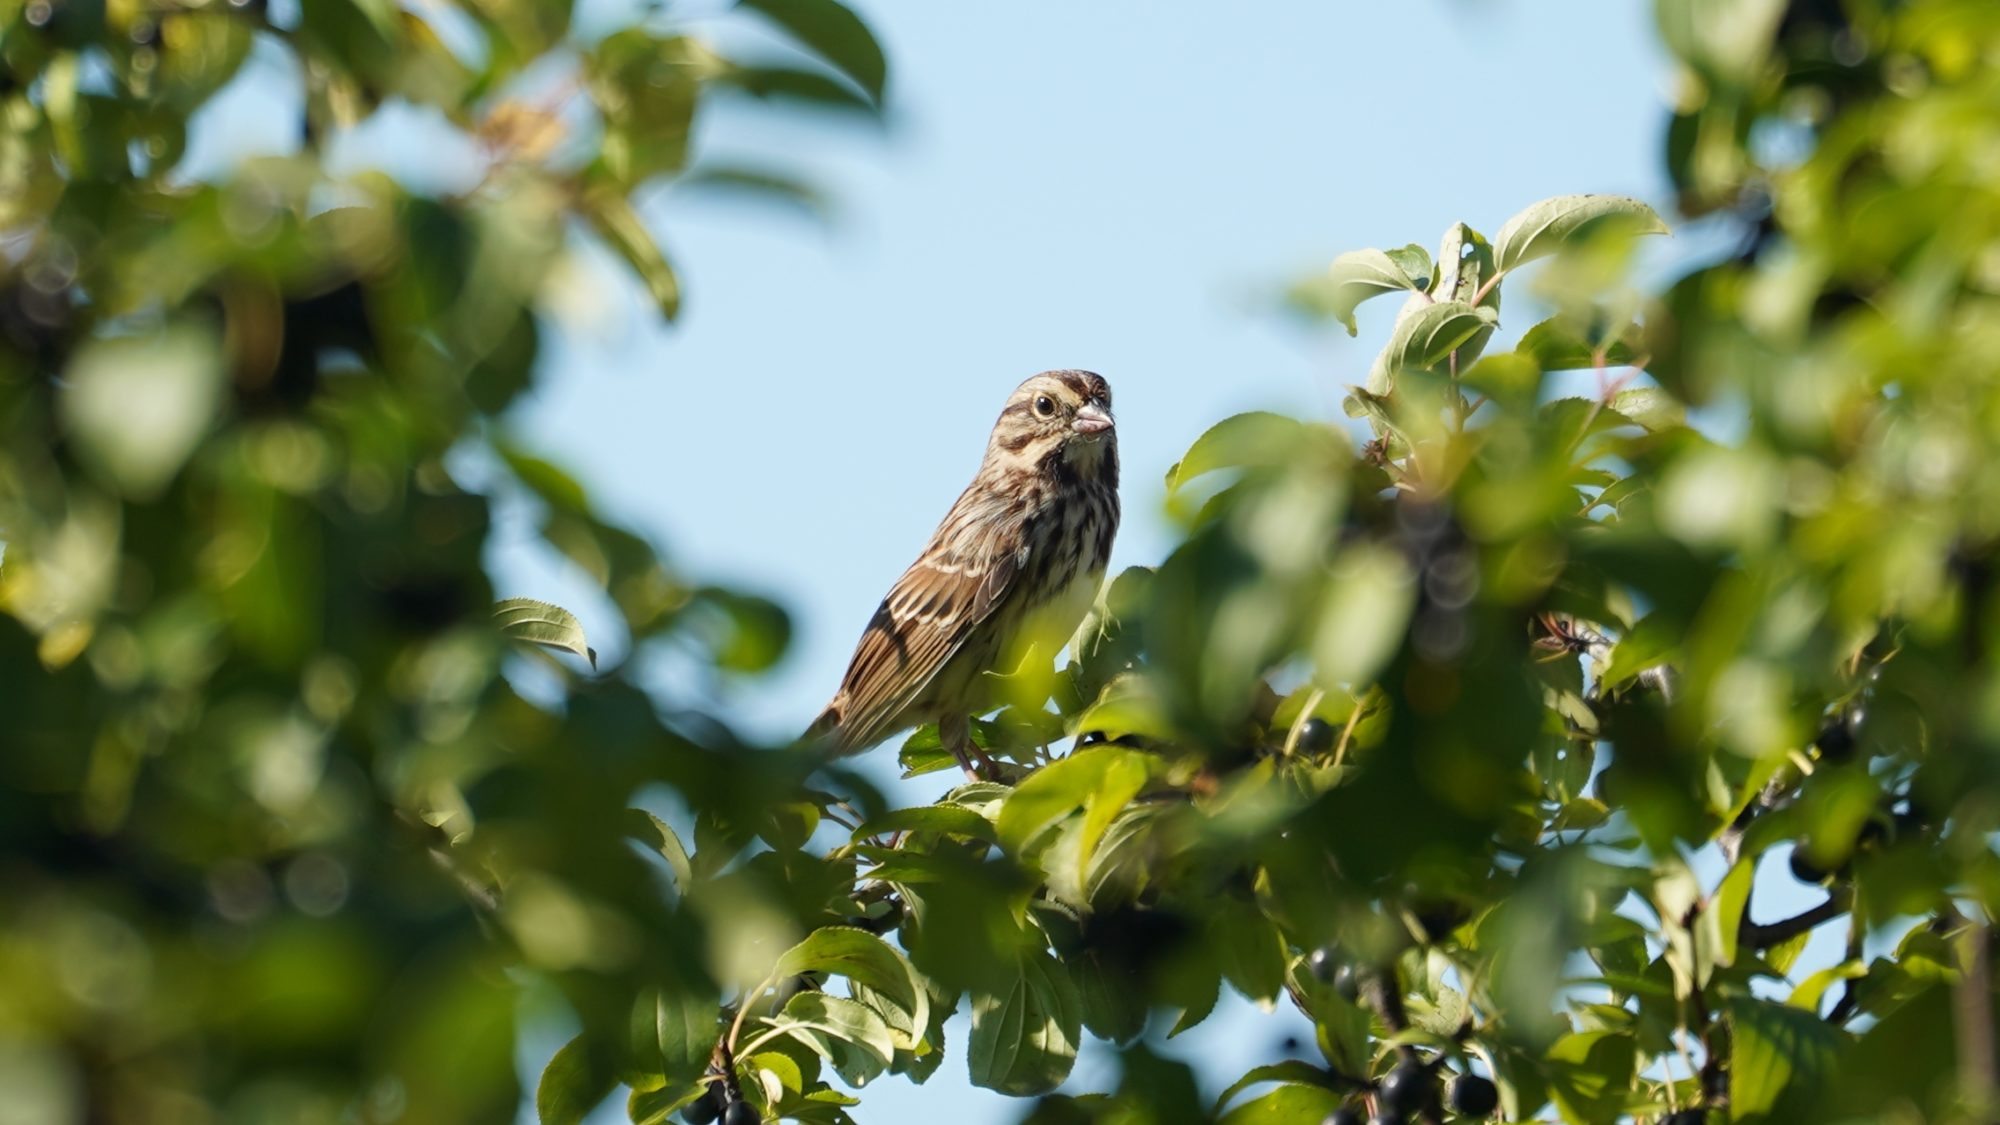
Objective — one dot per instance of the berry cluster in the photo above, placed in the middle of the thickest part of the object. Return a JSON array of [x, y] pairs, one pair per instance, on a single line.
[[717, 1103], [1410, 1088]]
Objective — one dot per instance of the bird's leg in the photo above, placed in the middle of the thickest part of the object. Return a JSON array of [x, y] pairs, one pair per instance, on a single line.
[[955, 731]]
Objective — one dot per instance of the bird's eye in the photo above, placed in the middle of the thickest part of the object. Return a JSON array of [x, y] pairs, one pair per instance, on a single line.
[[1044, 405]]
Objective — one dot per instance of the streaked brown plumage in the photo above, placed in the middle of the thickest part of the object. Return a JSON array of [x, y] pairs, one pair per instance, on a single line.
[[1010, 571]]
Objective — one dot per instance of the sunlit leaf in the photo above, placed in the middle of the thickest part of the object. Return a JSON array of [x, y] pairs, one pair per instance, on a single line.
[[570, 1087], [613, 217], [1779, 1057], [1353, 278], [1424, 339], [1286, 1104], [865, 959], [848, 1035], [550, 626], [137, 406], [1542, 228], [1256, 438], [1024, 1040]]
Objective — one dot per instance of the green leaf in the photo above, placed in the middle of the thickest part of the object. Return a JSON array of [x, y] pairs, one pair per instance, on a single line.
[[1257, 438], [686, 1020], [1294, 1072], [137, 406], [1286, 1105], [1523, 1085], [833, 32], [1112, 1006], [646, 90], [1415, 263], [747, 182], [550, 484], [1725, 41], [807, 87], [1556, 346], [1507, 377], [1722, 919], [847, 1034], [657, 1106], [943, 819], [1364, 615], [1650, 407], [1590, 1074], [783, 1069], [864, 959], [571, 1086], [1024, 1040], [923, 752], [1779, 1059], [1424, 339], [1252, 953], [1812, 990], [551, 626], [1100, 780], [1650, 641], [744, 632], [1129, 705], [612, 216], [199, 52], [1542, 228], [1353, 278], [1197, 996], [653, 832]]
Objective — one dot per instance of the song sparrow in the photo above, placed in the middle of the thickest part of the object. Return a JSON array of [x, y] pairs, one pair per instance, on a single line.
[[1009, 572]]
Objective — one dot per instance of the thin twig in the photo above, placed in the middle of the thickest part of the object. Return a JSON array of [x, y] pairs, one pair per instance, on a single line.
[[1299, 723], [1972, 1014], [1383, 992], [1347, 732], [1850, 998]]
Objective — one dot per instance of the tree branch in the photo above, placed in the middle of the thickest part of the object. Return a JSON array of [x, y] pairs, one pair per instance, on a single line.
[[1764, 936], [1972, 1013]]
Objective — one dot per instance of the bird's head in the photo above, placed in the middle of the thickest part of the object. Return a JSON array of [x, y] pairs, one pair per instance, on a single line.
[[1065, 414]]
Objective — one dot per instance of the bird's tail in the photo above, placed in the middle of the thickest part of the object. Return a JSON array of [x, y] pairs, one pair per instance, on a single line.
[[825, 732]]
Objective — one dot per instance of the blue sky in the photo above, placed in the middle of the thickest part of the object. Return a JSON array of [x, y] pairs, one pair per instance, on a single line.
[[1121, 186], [1111, 184], [1116, 186]]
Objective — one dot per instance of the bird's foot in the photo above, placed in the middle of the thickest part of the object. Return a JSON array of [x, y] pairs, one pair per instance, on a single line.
[[975, 763]]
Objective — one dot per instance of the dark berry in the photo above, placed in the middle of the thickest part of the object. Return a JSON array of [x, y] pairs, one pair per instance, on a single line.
[[1804, 869], [1857, 718], [1686, 1117], [1387, 1117], [1836, 738], [1439, 917], [1605, 787], [1874, 832], [1316, 737], [1406, 1088], [1324, 964], [741, 1113], [1470, 1095], [1345, 1115], [1347, 982], [704, 1109]]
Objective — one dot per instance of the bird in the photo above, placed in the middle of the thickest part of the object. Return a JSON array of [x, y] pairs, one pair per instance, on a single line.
[[1008, 574]]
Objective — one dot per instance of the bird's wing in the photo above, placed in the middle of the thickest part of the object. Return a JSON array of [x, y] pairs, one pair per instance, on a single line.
[[921, 625]]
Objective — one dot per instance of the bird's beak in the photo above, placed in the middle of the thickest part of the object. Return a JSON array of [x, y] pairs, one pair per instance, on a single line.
[[1091, 419]]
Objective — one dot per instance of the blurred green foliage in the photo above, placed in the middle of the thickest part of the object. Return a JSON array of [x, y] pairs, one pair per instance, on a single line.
[[1432, 739], [278, 839]]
